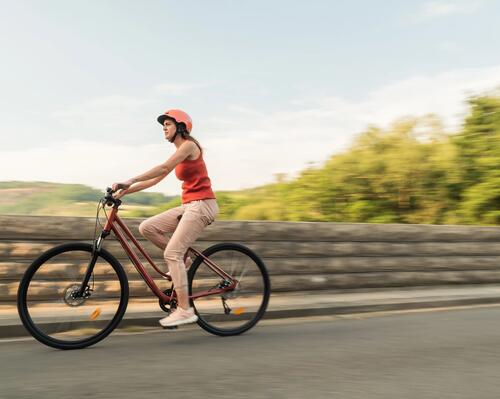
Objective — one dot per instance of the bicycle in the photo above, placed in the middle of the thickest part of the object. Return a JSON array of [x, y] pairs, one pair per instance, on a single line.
[[75, 294]]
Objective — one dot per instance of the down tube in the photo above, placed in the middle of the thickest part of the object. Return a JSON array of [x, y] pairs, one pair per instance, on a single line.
[[140, 269]]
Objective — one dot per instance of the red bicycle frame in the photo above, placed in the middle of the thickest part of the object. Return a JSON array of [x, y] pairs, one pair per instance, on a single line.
[[112, 226]]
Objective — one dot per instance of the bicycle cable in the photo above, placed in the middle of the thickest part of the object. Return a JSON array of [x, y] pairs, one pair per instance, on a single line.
[[97, 221]]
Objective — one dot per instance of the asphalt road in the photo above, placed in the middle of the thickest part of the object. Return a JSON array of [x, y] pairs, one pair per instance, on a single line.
[[431, 354]]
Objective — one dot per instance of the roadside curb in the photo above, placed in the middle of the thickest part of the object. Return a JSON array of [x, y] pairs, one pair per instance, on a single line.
[[151, 320]]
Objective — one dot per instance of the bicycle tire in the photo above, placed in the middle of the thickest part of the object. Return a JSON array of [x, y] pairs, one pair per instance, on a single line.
[[36, 329], [219, 251]]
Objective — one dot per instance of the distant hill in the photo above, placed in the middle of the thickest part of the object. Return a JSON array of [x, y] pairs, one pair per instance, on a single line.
[[43, 198]]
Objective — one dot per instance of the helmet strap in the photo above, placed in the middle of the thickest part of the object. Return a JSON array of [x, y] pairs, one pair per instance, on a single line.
[[177, 131], [173, 138]]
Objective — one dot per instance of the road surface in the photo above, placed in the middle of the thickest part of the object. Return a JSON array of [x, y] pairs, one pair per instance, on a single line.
[[430, 354]]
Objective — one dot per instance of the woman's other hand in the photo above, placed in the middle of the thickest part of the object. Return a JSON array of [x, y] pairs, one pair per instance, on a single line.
[[124, 185]]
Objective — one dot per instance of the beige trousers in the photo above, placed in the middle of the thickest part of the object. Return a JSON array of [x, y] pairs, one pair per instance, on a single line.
[[196, 215]]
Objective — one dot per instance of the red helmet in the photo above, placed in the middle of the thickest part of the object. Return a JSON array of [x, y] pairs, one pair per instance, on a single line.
[[178, 116]]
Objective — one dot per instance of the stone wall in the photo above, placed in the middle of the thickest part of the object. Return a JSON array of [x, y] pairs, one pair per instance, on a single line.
[[299, 255]]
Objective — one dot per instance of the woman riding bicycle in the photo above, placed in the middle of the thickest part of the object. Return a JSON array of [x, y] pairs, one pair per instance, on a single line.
[[186, 222]]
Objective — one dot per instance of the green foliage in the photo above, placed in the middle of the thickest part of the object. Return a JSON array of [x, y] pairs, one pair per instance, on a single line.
[[412, 172], [478, 142], [482, 201]]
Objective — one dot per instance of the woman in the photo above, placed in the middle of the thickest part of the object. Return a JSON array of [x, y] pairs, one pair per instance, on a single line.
[[199, 207]]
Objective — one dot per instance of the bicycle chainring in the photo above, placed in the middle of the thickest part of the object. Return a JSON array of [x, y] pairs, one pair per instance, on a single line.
[[168, 307]]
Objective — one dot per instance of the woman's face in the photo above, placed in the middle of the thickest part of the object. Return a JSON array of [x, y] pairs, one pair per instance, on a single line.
[[169, 129]]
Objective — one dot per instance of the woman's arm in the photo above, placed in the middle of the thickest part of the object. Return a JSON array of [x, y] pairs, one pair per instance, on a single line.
[[165, 168], [144, 184], [138, 187]]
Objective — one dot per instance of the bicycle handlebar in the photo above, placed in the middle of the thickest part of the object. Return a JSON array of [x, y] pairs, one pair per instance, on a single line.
[[109, 199]]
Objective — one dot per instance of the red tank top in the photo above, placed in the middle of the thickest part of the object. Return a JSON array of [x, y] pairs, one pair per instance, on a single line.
[[196, 184]]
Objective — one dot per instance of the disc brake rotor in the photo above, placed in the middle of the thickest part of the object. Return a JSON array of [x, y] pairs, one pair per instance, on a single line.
[[71, 297]]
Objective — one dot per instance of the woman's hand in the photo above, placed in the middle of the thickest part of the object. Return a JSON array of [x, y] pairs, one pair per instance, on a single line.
[[120, 194], [124, 185]]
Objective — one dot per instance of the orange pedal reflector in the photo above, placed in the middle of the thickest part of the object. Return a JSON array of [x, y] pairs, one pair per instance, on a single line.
[[95, 314], [239, 311]]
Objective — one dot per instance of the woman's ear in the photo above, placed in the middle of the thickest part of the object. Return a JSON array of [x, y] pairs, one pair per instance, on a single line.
[[181, 128]]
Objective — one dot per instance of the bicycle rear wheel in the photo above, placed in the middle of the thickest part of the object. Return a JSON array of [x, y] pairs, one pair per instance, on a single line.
[[52, 311], [232, 312]]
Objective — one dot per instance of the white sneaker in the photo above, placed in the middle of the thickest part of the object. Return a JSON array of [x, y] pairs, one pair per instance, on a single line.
[[179, 316]]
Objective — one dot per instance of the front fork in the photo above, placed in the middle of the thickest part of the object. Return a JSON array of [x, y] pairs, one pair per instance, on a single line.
[[90, 268]]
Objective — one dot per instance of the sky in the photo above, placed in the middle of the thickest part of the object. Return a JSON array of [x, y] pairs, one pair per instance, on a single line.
[[272, 86]]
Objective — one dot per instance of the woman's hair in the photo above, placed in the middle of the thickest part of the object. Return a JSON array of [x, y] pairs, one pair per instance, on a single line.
[[182, 130]]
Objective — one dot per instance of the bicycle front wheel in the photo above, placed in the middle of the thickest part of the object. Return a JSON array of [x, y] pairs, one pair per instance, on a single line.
[[50, 307], [232, 312]]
